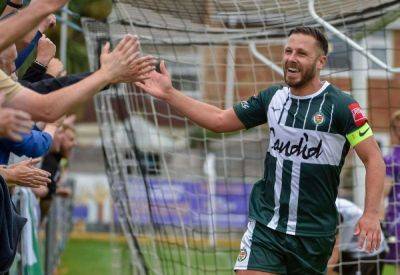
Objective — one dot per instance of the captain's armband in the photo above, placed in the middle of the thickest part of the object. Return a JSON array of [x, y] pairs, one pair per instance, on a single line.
[[359, 135]]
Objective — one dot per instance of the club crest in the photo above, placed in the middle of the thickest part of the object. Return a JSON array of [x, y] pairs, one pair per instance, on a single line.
[[242, 255], [318, 118]]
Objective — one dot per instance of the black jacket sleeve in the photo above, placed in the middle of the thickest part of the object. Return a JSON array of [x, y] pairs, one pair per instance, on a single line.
[[34, 73], [46, 86], [51, 164]]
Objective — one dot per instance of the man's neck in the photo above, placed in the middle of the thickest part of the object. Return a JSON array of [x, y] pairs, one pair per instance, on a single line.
[[308, 89]]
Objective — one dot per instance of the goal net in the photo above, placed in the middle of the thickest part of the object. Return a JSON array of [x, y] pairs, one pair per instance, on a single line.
[[181, 192]]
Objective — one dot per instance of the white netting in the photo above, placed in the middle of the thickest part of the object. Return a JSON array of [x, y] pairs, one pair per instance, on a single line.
[[181, 191]]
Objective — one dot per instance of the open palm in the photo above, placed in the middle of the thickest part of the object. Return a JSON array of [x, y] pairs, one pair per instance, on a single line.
[[157, 84]]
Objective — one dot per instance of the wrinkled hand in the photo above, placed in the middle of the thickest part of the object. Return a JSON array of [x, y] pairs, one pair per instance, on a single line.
[[46, 50], [368, 230], [55, 67], [158, 85], [13, 122], [26, 174], [123, 64], [140, 69], [49, 22]]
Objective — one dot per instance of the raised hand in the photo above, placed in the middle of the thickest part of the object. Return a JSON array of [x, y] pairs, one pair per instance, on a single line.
[[49, 22], [157, 84], [116, 64], [46, 50], [140, 68], [123, 64], [25, 174], [55, 67]]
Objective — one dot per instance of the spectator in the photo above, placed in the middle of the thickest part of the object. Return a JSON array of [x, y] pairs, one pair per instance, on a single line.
[[45, 52], [347, 258], [50, 21], [392, 215], [37, 142], [121, 65], [64, 141], [10, 227]]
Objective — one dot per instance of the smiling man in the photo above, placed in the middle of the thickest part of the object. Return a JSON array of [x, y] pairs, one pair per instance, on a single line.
[[313, 125]]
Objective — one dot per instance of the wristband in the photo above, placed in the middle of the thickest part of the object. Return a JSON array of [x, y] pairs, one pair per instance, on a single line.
[[13, 5], [40, 64]]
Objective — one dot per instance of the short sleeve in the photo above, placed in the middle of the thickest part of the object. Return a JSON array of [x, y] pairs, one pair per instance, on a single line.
[[352, 121], [253, 111], [8, 87], [35, 144]]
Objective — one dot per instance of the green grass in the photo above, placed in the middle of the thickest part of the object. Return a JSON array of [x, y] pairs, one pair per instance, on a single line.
[[389, 270], [84, 257], [88, 257]]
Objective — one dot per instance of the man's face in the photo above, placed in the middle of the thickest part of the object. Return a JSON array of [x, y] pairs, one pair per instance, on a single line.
[[302, 60], [7, 59]]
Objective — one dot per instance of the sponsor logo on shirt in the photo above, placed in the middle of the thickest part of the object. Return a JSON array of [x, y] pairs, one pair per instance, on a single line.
[[302, 148], [358, 114]]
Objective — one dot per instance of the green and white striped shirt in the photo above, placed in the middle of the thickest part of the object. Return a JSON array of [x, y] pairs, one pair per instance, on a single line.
[[306, 152]]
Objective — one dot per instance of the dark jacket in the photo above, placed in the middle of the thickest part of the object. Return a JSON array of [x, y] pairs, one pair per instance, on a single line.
[[11, 224]]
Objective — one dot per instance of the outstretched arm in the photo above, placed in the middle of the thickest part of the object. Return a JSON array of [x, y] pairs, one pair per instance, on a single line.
[[205, 115], [118, 66], [368, 228], [26, 20]]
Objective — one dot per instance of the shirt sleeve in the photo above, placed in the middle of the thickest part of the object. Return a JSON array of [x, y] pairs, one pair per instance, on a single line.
[[35, 144], [352, 121], [252, 112], [49, 85], [8, 87], [34, 73]]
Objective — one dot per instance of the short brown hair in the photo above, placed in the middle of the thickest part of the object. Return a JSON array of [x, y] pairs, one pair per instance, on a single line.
[[314, 32]]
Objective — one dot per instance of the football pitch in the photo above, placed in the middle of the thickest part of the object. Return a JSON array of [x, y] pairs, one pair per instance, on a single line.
[[101, 257]]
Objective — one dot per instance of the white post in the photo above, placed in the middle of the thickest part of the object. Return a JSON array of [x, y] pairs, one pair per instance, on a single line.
[[230, 75], [359, 89], [210, 171], [64, 36]]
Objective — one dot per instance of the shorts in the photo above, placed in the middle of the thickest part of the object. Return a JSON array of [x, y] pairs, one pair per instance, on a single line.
[[268, 250]]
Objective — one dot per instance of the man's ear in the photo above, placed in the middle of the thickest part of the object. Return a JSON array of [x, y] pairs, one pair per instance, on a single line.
[[321, 63]]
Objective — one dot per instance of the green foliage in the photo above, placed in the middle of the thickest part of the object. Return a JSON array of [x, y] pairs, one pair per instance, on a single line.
[[77, 60]]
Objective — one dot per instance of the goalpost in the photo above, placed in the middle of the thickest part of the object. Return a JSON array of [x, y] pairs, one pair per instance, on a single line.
[[181, 192]]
